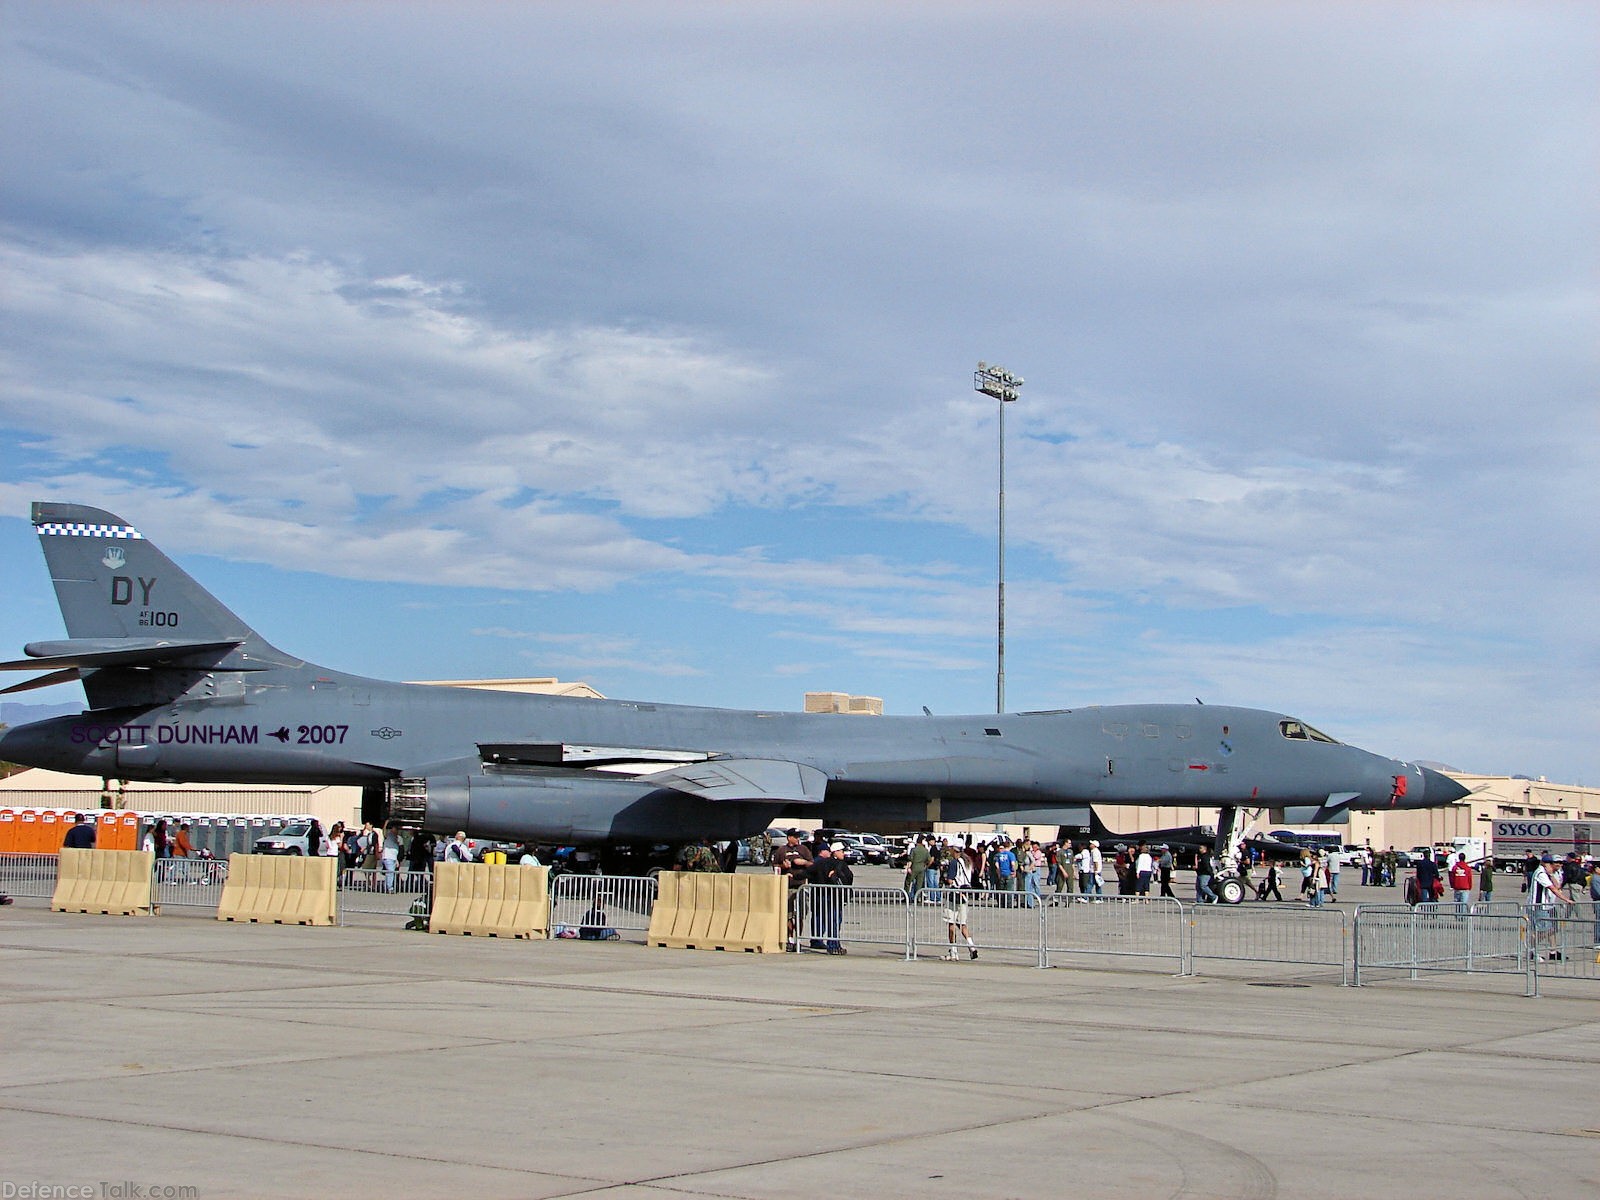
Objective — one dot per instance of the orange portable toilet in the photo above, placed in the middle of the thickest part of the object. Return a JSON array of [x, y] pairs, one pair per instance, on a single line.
[[105, 835], [8, 831], [52, 831], [127, 831], [27, 832]]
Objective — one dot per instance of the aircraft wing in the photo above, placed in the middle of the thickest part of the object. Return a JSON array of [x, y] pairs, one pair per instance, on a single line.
[[767, 779]]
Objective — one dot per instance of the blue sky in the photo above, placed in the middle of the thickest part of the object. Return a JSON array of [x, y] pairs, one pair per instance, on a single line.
[[634, 343]]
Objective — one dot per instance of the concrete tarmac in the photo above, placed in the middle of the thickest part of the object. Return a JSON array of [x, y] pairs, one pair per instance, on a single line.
[[144, 1057]]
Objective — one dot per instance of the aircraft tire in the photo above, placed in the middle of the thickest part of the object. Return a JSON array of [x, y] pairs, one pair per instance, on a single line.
[[1230, 891]]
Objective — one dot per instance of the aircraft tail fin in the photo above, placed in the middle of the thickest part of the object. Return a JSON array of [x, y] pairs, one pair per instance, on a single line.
[[129, 609], [112, 582]]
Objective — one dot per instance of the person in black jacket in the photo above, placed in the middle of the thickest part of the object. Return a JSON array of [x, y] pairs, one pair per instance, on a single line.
[[1427, 877], [832, 872], [81, 835], [1269, 885]]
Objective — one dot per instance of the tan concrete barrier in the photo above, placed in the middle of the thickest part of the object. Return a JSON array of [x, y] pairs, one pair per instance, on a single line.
[[115, 882], [284, 889], [702, 911], [490, 900]]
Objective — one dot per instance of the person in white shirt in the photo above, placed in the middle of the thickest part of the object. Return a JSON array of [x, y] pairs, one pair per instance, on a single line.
[[391, 857], [1543, 895], [1144, 867], [957, 878], [1085, 865]]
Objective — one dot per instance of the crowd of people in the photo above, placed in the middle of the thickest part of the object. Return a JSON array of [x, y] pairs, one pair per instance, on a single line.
[[1026, 870], [942, 870]]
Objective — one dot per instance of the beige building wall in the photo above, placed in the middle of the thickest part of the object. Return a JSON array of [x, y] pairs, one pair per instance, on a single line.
[[843, 702]]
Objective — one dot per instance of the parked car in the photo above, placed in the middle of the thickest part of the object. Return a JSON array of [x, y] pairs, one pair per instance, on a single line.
[[864, 847], [291, 839], [853, 853]]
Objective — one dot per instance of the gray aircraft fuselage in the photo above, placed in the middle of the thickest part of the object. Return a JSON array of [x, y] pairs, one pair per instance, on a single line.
[[182, 690]]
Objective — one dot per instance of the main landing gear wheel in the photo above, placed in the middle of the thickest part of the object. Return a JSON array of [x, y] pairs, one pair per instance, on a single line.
[[1230, 891]]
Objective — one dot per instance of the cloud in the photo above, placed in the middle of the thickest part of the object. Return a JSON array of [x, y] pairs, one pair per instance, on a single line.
[[687, 315]]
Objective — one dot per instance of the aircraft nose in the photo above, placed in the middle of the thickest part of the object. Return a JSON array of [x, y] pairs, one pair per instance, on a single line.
[[1440, 789]]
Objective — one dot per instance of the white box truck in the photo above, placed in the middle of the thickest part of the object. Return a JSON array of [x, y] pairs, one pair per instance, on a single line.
[[1475, 848], [1513, 838]]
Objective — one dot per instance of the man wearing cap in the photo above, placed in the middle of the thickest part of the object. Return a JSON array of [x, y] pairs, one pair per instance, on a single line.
[[793, 859], [831, 874], [1543, 893], [458, 850]]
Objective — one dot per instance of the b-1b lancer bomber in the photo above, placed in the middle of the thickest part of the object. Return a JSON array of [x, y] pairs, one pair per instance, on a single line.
[[180, 689]]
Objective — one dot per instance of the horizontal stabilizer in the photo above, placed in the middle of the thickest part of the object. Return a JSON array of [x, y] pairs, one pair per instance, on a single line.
[[113, 652], [68, 660], [768, 779]]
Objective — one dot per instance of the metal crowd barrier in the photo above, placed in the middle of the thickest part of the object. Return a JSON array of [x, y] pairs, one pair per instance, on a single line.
[[1553, 941], [869, 916], [192, 882], [1437, 938], [372, 891], [29, 875], [1125, 926], [1564, 940], [1559, 941], [998, 922], [1478, 936], [1317, 937], [602, 902]]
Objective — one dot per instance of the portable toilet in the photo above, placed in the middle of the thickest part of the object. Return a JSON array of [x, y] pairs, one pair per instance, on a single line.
[[51, 832]]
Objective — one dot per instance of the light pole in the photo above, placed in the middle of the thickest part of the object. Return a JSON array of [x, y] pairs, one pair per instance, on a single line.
[[1002, 385]]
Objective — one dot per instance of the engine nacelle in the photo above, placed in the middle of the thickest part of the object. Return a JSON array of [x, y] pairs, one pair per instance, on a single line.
[[578, 809], [1306, 814]]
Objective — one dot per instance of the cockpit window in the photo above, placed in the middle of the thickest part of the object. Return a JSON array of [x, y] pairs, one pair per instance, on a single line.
[[1299, 731]]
